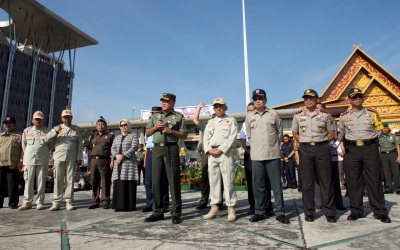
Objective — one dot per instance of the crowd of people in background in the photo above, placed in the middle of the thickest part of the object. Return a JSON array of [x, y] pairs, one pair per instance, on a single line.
[[357, 152]]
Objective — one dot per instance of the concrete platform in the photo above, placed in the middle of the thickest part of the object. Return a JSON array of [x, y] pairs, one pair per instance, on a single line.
[[106, 229]]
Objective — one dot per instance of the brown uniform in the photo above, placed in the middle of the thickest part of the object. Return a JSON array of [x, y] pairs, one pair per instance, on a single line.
[[99, 163]]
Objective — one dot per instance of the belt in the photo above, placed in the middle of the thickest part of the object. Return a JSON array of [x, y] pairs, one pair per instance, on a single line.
[[99, 157], [360, 143], [313, 143], [150, 149], [162, 144], [388, 152], [215, 146]]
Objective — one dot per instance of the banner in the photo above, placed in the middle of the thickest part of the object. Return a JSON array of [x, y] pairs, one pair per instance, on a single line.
[[186, 111]]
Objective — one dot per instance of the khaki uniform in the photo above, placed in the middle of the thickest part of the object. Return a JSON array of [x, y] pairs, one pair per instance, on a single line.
[[100, 153], [166, 155], [36, 146], [68, 149], [361, 161], [315, 158], [221, 133], [10, 153]]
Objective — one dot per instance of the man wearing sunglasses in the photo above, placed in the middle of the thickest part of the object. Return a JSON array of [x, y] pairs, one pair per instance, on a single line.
[[361, 127], [313, 128]]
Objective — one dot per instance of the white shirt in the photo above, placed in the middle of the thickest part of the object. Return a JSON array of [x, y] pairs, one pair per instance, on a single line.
[[243, 134]]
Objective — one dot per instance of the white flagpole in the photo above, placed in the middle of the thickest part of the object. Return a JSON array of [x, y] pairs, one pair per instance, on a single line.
[[246, 66]]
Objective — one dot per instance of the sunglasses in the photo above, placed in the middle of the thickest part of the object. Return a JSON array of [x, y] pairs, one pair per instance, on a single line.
[[123, 125]]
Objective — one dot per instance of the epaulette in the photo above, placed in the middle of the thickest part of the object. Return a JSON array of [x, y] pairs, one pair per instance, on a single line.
[[372, 110], [343, 113], [298, 111], [180, 113], [324, 111]]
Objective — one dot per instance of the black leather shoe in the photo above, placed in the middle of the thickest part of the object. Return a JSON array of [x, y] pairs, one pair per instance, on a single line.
[[387, 192], [353, 217], [341, 208], [250, 212], [154, 217], [383, 217], [282, 219], [201, 206], [93, 206], [398, 192], [257, 217], [269, 213], [13, 206], [309, 218], [165, 210], [176, 219], [331, 219], [147, 209], [106, 206]]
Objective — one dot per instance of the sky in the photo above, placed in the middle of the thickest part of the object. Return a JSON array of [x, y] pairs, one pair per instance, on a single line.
[[194, 49]]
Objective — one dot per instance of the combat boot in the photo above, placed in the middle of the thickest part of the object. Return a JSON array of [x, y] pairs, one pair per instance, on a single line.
[[214, 213], [68, 206], [231, 214], [24, 207], [54, 207]]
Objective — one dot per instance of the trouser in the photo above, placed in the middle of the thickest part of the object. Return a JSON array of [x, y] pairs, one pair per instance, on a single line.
[[316, 165], [362, 163], [224, 166], [262, 172], [336, 184], [141, 169], [166, 159], [30, 173], [64, 174], [9, 182], [290, 173], [299, 183], [341, 173], [390, 171], [148, 182], [249, 177], [205, 182], [101, 178]]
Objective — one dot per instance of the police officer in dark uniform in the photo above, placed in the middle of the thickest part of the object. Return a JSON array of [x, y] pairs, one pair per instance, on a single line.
[[168, 127], [287, 151], [313, 128], [360, 127], [99, 162]]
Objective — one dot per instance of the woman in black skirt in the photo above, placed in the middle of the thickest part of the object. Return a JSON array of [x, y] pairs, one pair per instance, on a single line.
[[125, 173]]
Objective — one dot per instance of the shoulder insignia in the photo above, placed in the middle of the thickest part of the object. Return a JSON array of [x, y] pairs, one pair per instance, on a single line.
[[343, 113], [180, 113], [324, 111], [298, 111], [372, 110]]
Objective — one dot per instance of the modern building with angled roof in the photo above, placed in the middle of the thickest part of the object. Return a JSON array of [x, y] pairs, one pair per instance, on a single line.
[[33, 72], [381, 89]]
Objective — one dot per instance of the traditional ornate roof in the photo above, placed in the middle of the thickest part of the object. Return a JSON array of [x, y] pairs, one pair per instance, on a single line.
[[381, 89]]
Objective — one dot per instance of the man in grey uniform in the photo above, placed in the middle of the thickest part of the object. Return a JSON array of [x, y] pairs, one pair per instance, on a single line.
[[264, 130], [36, 148], [68, 156]]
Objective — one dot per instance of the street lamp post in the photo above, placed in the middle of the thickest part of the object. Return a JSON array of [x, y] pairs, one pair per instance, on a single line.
[[133, 113]]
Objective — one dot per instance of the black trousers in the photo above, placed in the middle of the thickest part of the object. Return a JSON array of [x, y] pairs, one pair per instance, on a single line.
[[362, 163], [390, 171], [249, 178], [167, 158], [290, 173], [205, 184], [141, 168], [9, 185], [101, 178], [315, 163]]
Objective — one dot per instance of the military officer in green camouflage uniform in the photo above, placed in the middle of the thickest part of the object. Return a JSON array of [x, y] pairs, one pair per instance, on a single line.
[[167, 127], [36, 146], [360, 127], [388, 150], [10, 162], [68, 156]]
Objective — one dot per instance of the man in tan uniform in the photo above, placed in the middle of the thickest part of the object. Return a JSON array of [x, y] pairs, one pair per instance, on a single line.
[[219, 139], [10, 160], [36, 148], [67, 156]]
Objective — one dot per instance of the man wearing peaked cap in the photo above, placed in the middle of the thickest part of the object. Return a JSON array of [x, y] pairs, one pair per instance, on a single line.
[[310, 92], [67, 157], [218, 138], [10, 160], [36, 145], [99, 161], [360, 127], [167, 127], [388, 150]]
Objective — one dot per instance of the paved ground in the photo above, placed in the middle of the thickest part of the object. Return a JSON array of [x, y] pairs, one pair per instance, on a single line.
[[106, 229]]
